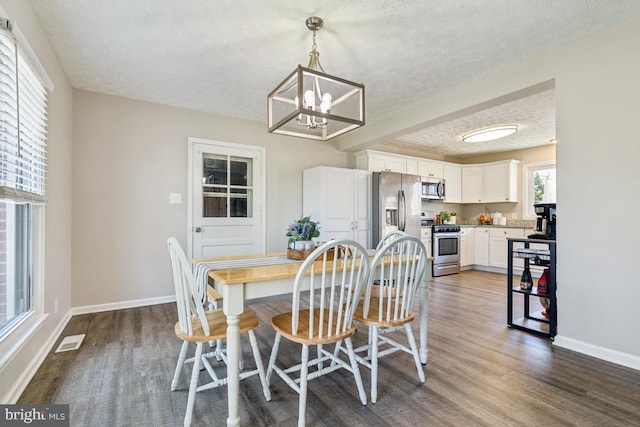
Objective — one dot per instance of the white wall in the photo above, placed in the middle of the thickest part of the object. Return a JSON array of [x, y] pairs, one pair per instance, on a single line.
[[597, 90], [128, 156], [597, 109], [57, 276]]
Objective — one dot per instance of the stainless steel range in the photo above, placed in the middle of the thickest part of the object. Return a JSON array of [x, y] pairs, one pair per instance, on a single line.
[[446, 249]]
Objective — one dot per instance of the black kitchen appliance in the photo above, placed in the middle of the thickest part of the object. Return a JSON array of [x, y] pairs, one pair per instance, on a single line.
[[545, 227]]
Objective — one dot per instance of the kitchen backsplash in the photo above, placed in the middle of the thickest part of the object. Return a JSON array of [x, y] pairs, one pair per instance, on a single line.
[[517, 223], [468, 214]]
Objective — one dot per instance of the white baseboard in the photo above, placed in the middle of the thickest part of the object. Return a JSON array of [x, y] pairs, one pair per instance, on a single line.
[[613, 356], [21, 384], [87, 309]]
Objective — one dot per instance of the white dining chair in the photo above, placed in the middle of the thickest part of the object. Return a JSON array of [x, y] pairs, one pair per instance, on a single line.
[[326, 291], [397, 269], [389, 237], [199, 326]]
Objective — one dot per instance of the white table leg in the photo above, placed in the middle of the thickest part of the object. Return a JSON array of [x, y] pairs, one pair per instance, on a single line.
[[233, 306], [424, 315]]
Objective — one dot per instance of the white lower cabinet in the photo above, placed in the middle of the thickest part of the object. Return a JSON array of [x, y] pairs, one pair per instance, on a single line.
[[425, 236], [467, 246], [498, 246], [340, 199], [481, 246], [490, 248]]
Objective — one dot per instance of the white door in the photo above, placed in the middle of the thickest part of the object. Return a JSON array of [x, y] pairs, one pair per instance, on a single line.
[[226, 198]]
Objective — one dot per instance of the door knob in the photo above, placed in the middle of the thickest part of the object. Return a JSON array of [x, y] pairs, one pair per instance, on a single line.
[[198, 230]]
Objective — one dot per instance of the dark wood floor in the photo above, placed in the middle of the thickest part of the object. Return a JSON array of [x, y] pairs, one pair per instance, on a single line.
[[479, 373]]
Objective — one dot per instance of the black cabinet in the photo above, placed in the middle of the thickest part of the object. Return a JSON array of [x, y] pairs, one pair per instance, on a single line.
[[543, 253]]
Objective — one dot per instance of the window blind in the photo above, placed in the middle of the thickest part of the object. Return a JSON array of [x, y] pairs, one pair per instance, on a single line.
[[23, 124]]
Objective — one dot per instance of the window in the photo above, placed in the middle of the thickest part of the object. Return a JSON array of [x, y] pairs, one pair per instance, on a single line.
[[23, 122], [540, 186]]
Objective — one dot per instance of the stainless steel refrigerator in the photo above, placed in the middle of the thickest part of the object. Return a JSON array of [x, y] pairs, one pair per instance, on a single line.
[[396, 204]]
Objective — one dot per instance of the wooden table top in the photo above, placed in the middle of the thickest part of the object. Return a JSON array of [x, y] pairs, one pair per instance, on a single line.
[[234, 276]]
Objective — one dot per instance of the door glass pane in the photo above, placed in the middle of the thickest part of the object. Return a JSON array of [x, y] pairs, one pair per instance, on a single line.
[[214, 207], [241, 203], [214, 169], [240, 171], [227, 187]]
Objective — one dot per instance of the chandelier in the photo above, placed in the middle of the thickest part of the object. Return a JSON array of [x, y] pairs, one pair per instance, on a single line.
[[312, 104]]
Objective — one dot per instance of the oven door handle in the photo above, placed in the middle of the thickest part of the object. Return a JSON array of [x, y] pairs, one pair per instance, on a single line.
[[402, 212], [446, 234]]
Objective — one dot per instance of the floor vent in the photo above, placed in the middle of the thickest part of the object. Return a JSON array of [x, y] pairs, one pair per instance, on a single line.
[[71, 342]]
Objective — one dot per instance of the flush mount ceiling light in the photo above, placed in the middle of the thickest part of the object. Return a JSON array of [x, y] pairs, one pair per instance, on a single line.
[[312, 104], [489, 134]]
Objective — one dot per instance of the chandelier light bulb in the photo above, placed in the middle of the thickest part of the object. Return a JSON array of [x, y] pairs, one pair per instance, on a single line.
[[325, 105], [309, 100]]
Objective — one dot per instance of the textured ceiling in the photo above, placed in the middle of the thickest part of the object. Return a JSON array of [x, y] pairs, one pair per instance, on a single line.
[[534, 115], [224, 56]]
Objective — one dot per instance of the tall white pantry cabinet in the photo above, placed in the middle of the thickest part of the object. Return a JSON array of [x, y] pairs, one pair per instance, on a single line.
[[340, 199]]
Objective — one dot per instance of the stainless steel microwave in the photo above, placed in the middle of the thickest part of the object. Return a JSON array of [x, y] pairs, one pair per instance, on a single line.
[[433, 188]]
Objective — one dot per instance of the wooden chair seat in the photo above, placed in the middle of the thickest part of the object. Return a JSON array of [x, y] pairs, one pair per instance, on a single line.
[[374, 315], [217, 326], [331, 285], [396, 270], [199, 326], [282, 324]]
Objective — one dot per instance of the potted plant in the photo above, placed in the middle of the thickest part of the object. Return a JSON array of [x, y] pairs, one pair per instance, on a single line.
[[445, 216], [300, 233]]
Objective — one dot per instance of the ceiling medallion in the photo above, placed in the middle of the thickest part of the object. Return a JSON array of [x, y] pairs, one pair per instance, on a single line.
[[312, 104]]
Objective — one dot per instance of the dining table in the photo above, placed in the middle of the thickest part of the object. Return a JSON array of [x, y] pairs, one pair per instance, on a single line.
[[244, 279]]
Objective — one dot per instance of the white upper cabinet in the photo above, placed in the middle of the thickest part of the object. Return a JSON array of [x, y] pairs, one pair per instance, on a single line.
[[472, 184], [396, 164], [452, 175], [501, 181], [380, 162], [478, 183], [490, 182], [412, 166], [430, 169], [376, 163]]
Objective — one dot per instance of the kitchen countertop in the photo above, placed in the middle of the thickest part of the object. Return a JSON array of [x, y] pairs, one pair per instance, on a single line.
[[516, 223]]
